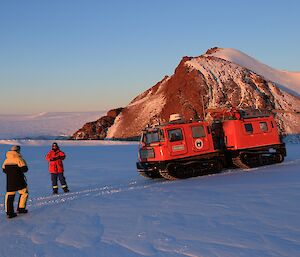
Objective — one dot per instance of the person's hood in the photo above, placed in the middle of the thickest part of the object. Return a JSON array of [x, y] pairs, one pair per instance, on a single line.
[[13, 157], [13, 154]]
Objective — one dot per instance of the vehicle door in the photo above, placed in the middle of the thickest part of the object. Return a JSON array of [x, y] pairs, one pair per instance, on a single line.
[[177, 145], [201, 142]]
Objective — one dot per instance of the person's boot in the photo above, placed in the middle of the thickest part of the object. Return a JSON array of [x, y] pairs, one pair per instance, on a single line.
[[55, 191], [66, 189], [11, 215], [22, 210]]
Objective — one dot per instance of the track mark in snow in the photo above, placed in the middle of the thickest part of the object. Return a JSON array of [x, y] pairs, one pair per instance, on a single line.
[[37, 202]]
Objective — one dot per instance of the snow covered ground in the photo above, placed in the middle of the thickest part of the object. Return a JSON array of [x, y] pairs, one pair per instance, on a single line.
[[44, 125], [112, 211]]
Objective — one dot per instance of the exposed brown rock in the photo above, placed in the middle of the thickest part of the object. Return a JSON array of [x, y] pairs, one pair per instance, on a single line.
[[97, 129], [212, 50], [114, 113]]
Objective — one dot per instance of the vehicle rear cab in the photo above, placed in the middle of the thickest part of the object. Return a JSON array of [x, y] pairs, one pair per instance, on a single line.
[[257, 135], [249, 133]]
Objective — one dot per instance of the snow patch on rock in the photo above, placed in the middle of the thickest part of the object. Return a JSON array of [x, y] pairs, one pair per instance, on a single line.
[[289, 81]]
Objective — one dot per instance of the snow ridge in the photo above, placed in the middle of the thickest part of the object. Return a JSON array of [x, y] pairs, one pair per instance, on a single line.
[[288, 81]]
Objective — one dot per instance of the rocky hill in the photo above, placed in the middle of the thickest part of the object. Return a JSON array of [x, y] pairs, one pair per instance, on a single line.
[[207, 82], [97, 129]]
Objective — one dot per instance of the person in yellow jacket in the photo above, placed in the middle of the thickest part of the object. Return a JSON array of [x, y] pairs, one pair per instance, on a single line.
[[14, 167]]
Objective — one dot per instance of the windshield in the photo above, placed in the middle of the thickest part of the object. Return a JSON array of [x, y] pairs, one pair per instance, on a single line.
[[153, 136]]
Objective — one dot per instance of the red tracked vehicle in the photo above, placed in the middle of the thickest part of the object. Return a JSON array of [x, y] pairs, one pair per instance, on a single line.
[[181, 149]]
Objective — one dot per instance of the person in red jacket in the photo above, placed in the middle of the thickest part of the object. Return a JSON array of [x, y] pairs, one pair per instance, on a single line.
[[56, 168]]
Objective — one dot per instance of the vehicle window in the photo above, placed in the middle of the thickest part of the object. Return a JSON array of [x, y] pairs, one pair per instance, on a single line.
[[198, 132], [175, 135], [151, 137], [263, 126], [248, 128]]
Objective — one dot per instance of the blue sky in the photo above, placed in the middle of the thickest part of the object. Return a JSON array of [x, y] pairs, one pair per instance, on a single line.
[[71, 55]]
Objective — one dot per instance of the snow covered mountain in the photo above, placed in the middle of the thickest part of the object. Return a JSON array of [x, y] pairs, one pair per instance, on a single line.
[[289, 81], [221, 78], [43, 125]]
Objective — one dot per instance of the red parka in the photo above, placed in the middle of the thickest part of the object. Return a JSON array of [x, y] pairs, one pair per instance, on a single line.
[[55, 161]]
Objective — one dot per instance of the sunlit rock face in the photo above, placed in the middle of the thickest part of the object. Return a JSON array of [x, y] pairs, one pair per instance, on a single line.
[[209, 81], [97, 129]]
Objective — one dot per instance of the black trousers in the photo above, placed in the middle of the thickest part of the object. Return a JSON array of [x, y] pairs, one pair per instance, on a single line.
[[62, 179]]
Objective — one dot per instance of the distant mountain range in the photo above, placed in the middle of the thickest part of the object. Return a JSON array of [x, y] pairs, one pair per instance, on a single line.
[[220, 78], [50, 125]]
